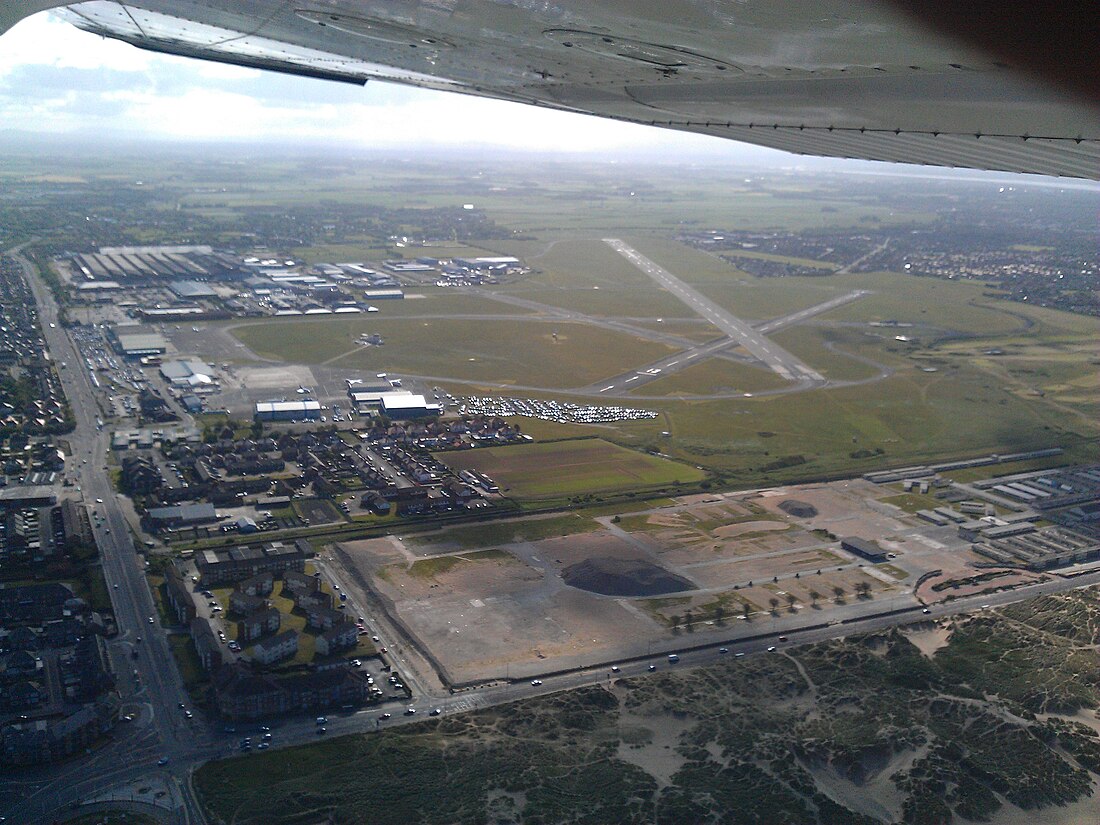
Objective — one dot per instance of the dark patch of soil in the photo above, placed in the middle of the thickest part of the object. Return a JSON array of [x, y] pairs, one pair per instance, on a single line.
[[623, 577], [798, 509]]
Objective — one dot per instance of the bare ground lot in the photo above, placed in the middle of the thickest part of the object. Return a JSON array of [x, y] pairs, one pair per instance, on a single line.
[[731, 564]]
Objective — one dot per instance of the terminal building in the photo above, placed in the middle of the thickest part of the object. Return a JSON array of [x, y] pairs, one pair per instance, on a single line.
[[308, 410]]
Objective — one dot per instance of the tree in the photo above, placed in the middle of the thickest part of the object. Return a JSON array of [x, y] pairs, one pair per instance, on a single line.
[[791, 601], [674, 620], [774, 602], [719, 614], [746, 610], [814, 596], [838, 592], [689, 622]]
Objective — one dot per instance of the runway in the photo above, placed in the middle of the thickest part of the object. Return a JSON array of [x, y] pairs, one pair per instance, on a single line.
[[771, 354]]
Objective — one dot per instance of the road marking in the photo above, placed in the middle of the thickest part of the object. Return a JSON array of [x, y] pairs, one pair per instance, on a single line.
[[608, 387]]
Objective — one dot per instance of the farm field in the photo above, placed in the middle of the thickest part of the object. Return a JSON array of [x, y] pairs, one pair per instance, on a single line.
[[563, 469]]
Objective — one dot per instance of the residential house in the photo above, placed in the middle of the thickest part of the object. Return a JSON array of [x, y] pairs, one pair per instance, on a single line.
[[179, 594], [297, 583], [324, 618], [244, 604], [243, 562], [276, 648], [259, 585], [258, 624], [207, 646], [338, 638]]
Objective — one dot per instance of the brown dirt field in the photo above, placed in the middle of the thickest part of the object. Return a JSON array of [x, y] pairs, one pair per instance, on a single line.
[[732, 530], [466, 575], [372, 552], [568, 550], [726, 573], [833, 501]]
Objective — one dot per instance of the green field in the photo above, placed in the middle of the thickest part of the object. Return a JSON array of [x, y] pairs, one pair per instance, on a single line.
[[563, 469], [507, 352], [827, 350], [714, 376]]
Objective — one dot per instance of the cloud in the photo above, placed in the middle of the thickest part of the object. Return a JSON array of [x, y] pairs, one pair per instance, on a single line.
[[55, 78]]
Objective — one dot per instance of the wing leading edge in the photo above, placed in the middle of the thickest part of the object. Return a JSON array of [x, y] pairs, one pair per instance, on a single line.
[[838, 78]]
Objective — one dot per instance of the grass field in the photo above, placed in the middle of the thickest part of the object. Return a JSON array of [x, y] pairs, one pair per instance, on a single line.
[[504, 532], [714, 376], [825, 350], [570, 468], [525, 353]]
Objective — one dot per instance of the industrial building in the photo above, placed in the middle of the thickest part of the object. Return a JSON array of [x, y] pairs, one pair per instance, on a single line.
[[193, 374], [863, 548], [191, 290], [288, 410], [383, 294], [1038, 549], [147, 263], [407, 405], [135, 342]]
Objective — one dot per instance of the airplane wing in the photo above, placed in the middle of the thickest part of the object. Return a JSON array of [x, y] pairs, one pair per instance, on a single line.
[[838, 78]]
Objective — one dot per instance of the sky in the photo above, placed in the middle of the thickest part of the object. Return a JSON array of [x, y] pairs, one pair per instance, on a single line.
[[57, 80]]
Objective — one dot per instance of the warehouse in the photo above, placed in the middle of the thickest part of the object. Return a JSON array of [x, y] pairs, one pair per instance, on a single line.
[[187, 373], [191, 290], [406, 405], [135, 342], [863, 548], [288, 411]]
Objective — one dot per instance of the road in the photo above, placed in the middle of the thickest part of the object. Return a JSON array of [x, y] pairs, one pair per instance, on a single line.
[[161, 729], [775, 357]]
